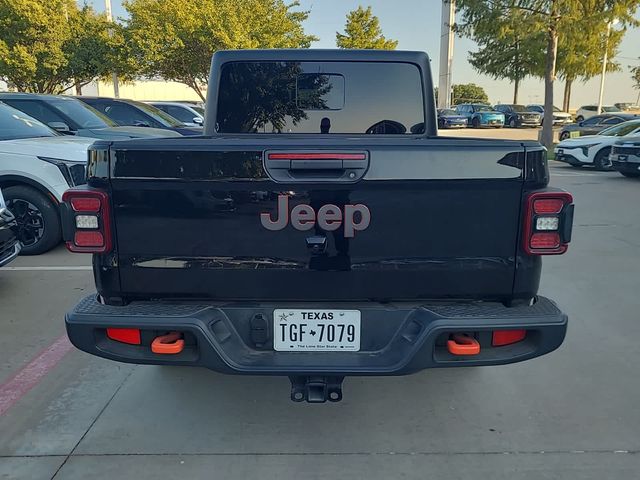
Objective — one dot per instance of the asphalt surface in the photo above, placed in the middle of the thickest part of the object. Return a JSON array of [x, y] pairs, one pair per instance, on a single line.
[[573, 414]]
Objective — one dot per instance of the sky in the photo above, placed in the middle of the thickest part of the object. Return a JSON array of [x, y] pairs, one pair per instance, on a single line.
[[416, 26]]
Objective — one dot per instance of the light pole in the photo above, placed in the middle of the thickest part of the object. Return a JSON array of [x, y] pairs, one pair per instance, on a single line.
[[605, 59], [116, 86], [446, 53]]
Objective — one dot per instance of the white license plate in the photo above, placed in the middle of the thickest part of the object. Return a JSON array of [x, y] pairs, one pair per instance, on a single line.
[[316, 330]]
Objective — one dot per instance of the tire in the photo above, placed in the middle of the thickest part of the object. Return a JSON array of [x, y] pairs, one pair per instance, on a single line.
[[512, 123], [601, 161], [580, 119], [39, 227], [631, 174], [564, 135], [475, 122]]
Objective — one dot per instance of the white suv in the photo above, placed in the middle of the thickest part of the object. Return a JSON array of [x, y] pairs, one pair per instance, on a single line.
[[36, 166], [588, 111]]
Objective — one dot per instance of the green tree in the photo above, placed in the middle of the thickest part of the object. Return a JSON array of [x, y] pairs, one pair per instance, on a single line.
[[550, 17], [469, 93], [175, 40], [47, 47], [635, 76], [362, 30], [508, 48]]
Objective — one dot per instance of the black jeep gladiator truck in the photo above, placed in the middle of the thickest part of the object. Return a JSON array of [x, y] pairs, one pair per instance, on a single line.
[[319, 229]]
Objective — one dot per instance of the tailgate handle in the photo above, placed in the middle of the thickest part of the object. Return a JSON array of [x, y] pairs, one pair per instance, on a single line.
[[316, 166]]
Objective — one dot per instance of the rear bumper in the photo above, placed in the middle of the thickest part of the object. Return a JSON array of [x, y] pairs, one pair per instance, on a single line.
[[396, 339]]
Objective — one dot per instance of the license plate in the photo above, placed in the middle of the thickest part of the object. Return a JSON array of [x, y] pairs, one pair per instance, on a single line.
[[574, 134], [316, 330], [622, 158]]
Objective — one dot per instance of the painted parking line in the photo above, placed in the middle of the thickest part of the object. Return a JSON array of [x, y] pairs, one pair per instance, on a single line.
[[62, 268], [17, 386]]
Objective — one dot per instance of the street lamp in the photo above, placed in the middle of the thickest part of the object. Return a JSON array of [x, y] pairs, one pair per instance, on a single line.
[[116, 86], [605, 59]]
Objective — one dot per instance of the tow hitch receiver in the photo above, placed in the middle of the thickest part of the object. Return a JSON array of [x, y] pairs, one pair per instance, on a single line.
[[316, 389], [169, 344], [460, 344]]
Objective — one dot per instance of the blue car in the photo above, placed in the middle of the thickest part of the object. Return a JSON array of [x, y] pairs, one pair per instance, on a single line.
[[448, 118], [481, 115]]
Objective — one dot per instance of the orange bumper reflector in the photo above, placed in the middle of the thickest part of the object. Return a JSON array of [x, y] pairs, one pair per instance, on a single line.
[[507, 337], [168, 344], [124, 335], [460, 344]]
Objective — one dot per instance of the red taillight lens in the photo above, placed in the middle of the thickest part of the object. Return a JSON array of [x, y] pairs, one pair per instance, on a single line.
[[85, 204], [88, 239], [548, 205], [507, 337], [88, 221], [547, 223], [124, 335], [545, 240]]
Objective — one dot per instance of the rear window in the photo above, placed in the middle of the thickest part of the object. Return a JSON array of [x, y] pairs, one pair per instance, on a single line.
[[312, 97]]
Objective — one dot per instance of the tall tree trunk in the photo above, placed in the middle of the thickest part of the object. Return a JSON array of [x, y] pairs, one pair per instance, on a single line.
[[516, 89], [566, 101], [78, 87], [549, 77]]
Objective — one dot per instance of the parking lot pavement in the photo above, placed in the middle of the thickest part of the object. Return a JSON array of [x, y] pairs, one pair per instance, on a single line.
[[573, 414]]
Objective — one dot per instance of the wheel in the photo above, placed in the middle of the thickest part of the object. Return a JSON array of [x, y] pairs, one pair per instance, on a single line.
[[601, 162], [512, 123], [475, 122], [631, 174], [440, 123], [579, 118], [37, 217]]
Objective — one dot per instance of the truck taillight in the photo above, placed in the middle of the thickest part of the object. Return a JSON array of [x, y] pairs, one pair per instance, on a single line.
[[89, 220], [548, 222]]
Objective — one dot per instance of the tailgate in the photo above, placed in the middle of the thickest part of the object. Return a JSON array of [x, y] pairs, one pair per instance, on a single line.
[[220, 219]]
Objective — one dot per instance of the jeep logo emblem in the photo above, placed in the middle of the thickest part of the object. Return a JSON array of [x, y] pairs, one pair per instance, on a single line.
[[328, 217]]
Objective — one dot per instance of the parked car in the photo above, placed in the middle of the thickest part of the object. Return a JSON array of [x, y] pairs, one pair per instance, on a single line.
[[594, 125], [37, 165], [588, 111], [188, 113], [625, 156], [70, 116], [449, 118], [9, 244], [559, 117], [628, 107], [480, 115], [518, 115], [595, 149], [130, 112]]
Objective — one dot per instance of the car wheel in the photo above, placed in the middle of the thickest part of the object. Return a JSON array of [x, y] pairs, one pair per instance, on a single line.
[[564, 136], [440, 124], [39, 227], [601, 162], [631, 174], [475, 122], [579, 118], [512, 123]]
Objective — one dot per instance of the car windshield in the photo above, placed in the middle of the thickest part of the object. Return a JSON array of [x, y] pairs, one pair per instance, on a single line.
[[622, 129], [610, 109], [14, 124], [81, 113], [519, 108], [556, 109], [483, 108], [157, 114], [447, 111]]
